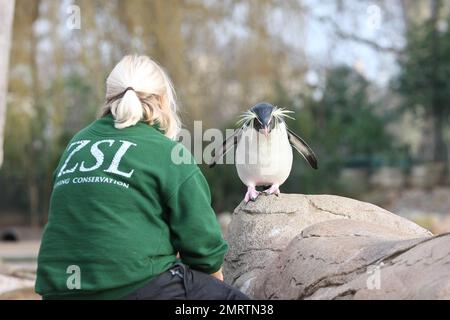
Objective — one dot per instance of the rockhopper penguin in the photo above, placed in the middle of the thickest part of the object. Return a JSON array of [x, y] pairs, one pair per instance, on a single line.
[[264, 152]]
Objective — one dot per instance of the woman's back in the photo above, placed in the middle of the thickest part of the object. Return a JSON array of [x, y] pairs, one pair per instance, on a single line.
[[123, 205], [113, 197]]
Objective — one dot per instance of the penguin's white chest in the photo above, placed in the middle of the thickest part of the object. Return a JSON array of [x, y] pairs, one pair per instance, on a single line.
[[262, 160]]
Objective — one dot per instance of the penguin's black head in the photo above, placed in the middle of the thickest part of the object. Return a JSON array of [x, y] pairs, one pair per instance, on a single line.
[[264, 119]]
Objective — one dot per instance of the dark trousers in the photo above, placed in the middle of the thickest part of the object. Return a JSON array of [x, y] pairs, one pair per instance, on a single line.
[[182, 283]]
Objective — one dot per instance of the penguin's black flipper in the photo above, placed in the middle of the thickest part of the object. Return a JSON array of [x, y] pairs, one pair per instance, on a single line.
[[226, 146], [302, 147]]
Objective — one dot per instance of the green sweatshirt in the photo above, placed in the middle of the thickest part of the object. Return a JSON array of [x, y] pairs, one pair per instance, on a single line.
[[122, 206]]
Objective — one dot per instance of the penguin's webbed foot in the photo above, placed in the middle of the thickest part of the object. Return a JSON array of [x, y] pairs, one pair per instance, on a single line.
[[251, 194], [274, 189]]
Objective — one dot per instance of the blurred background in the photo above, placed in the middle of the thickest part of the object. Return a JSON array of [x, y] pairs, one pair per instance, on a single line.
[[367, 81]]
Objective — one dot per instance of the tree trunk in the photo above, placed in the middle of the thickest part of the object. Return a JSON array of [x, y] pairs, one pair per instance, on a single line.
[[33, 198], [439, 147], [6, 19], [39, 125]]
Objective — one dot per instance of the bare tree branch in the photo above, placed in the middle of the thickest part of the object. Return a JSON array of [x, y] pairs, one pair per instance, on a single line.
[[353, 37]]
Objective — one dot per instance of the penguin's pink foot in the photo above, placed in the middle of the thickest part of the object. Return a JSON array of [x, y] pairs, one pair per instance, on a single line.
[[274, 189], [251, 194]]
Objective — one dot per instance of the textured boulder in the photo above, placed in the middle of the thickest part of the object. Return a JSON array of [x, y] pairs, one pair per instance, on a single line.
[[341, 259], [329, 247]]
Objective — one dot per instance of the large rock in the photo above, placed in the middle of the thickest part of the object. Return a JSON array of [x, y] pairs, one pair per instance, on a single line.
[[299, 246], [341, 259]]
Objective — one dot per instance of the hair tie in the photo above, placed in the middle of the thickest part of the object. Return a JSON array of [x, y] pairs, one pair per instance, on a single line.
[[119, 96]]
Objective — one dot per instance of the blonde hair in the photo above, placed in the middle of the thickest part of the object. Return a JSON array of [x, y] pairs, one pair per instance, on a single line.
[[139, 89]]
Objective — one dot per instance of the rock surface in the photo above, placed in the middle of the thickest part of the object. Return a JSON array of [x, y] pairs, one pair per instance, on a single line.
[[17, 282], [18, 269], [328, 247]]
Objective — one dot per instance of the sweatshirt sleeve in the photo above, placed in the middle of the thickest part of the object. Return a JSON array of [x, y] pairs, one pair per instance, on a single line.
[[196, 233]]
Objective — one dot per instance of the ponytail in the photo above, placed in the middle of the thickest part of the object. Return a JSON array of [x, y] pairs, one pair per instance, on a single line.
[[127, 111]]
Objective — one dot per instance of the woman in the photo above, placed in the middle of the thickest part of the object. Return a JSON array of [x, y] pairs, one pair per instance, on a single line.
[[121, 209]]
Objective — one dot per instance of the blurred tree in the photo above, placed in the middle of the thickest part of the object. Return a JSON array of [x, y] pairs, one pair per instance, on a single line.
[[423, 78], [347, 110], [23, 129], [6, 19], [223, 56], [342, 127]]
